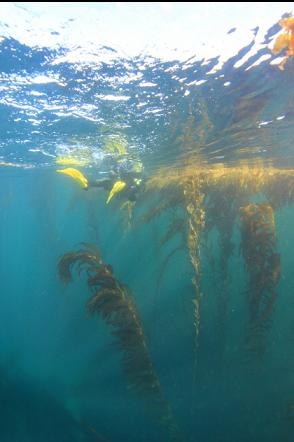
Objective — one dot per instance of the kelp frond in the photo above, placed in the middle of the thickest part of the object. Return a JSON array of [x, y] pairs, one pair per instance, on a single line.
[[176, 227], [258, 247], [194, 199], [170, 200], [167, 260], [89, 257], [127, 209], [113, 301]]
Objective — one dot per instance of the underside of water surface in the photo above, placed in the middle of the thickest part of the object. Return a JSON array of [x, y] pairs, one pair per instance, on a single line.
[[146, 222]]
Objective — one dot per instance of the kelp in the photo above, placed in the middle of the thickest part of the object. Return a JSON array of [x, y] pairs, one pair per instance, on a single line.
[[127, 209], [262, 262], [114, 303], [209, 198], [176, 230], [189, 196], [167, 260], [87, 257], [194, 198], [285, 40], [170, 200], [176, 227], [222, 209]]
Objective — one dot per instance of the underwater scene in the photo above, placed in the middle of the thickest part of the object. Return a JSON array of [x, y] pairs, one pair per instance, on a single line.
[[146, 222]]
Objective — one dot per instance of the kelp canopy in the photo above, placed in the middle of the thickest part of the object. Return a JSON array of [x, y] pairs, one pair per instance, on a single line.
[[248, 179], [218, 197]]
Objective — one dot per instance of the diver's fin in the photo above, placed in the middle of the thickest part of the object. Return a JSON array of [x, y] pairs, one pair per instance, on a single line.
[[116, 188], [76, 175], [70, 161]]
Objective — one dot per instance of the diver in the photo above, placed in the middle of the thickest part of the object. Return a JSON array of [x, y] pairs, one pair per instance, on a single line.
[[126, 176]]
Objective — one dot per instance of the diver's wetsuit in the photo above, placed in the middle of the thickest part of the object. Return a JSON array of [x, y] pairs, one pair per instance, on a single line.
[[105, 183], [132, 179]]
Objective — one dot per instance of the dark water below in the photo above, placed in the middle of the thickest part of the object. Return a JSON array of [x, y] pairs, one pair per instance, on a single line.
[[61, 376]]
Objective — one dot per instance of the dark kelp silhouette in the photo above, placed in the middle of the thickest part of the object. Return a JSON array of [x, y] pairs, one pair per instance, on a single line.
[[258, 247], [113, 301]]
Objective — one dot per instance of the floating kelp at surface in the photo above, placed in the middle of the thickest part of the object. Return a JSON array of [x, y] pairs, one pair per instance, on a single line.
[[113, 301], [285, 40]]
